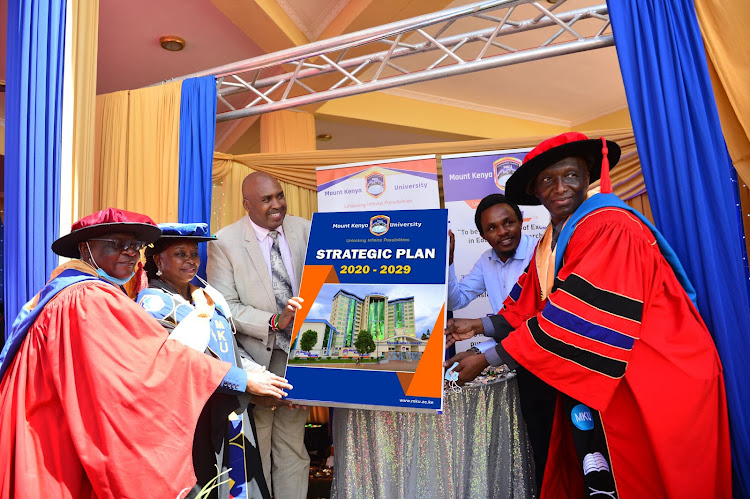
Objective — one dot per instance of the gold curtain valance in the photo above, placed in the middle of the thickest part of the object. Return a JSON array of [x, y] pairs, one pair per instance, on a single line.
[[299, 168], [296, 171]]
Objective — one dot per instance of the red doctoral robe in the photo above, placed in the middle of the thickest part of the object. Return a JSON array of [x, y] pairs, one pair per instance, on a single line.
[[619, 334], [97, 402]]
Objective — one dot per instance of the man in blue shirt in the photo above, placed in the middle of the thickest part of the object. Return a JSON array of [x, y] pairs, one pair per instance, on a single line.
[[495, 272]]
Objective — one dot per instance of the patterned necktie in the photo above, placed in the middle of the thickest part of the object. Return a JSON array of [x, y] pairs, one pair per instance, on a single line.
[[282, 290]]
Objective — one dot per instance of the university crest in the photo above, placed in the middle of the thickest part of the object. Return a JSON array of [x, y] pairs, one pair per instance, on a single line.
[[379, 224], [503, 168], [375, 184]]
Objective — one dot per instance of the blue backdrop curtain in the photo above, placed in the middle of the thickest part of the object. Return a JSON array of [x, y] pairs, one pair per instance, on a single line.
[[33, 117], [197, 133], [688, 174]]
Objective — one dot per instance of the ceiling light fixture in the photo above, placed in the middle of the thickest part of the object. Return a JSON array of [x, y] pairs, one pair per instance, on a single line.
[[324, 137], [172, 43]]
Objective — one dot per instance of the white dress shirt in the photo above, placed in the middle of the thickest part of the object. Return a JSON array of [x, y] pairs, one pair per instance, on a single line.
[[266, 242]]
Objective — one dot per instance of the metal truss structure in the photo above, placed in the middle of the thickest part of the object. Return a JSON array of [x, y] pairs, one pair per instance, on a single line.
[[404, 52]]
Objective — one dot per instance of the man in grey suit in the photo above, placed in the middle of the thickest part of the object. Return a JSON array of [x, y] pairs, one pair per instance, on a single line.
[[256, 263]]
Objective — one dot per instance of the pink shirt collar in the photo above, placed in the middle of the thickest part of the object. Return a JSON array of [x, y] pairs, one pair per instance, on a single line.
[[260, 232]]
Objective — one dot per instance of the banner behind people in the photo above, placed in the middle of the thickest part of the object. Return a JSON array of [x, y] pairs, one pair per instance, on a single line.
[[467, 178], [396, 184], [370, 332]]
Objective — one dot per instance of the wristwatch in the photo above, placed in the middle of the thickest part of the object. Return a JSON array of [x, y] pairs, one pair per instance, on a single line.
[[475, 350]]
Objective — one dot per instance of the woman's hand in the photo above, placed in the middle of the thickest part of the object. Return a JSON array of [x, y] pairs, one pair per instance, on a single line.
[[287, 315], [267, 384]]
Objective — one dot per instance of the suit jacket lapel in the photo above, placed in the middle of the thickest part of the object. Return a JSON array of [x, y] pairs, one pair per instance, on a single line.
[[256, 257], [298, 251]]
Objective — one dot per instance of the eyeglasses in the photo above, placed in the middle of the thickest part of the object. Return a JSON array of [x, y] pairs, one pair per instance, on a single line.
[[122, 246]]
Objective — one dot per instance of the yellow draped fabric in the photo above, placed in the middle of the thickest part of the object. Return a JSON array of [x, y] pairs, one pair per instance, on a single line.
[[111, 150], [227, 193], [282, 132], [745, 203], [85, 50], [723, 25], [137, 151], [318, 415], [642, 204], [287, 131], [296, 171]]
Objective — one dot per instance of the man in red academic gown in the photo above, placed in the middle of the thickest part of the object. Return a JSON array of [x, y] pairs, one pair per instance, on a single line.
[[604, 315], [95, 401]]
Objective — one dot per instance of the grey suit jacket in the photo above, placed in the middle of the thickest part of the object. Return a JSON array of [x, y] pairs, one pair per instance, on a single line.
[[237, 269]]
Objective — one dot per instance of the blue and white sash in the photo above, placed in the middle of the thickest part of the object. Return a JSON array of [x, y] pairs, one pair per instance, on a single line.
[[31, 311]]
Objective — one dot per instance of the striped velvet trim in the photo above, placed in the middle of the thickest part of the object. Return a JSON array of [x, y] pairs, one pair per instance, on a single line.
[[590, 360], [515, 293], [580, 326], [610, 302]]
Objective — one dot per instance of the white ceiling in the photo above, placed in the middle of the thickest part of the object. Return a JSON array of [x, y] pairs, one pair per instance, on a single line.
[[312, 16], [565, 91], [346, 134], [129, 52]]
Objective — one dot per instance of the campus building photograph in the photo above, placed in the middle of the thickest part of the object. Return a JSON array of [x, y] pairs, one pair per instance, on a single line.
[[390, 320]]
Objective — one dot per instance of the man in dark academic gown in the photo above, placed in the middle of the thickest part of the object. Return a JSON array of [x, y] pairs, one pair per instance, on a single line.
[[95, 401], [605, 316]]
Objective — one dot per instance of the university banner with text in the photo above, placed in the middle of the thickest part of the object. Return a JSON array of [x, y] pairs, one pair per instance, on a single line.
[[467, 178], [370, 331], [394, 184]]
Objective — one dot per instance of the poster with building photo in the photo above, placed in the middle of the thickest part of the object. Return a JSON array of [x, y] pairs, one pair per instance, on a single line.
[[467, 178], [370, 333]]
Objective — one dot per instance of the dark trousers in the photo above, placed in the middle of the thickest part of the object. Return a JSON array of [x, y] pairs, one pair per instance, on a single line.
[[538, 407]]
